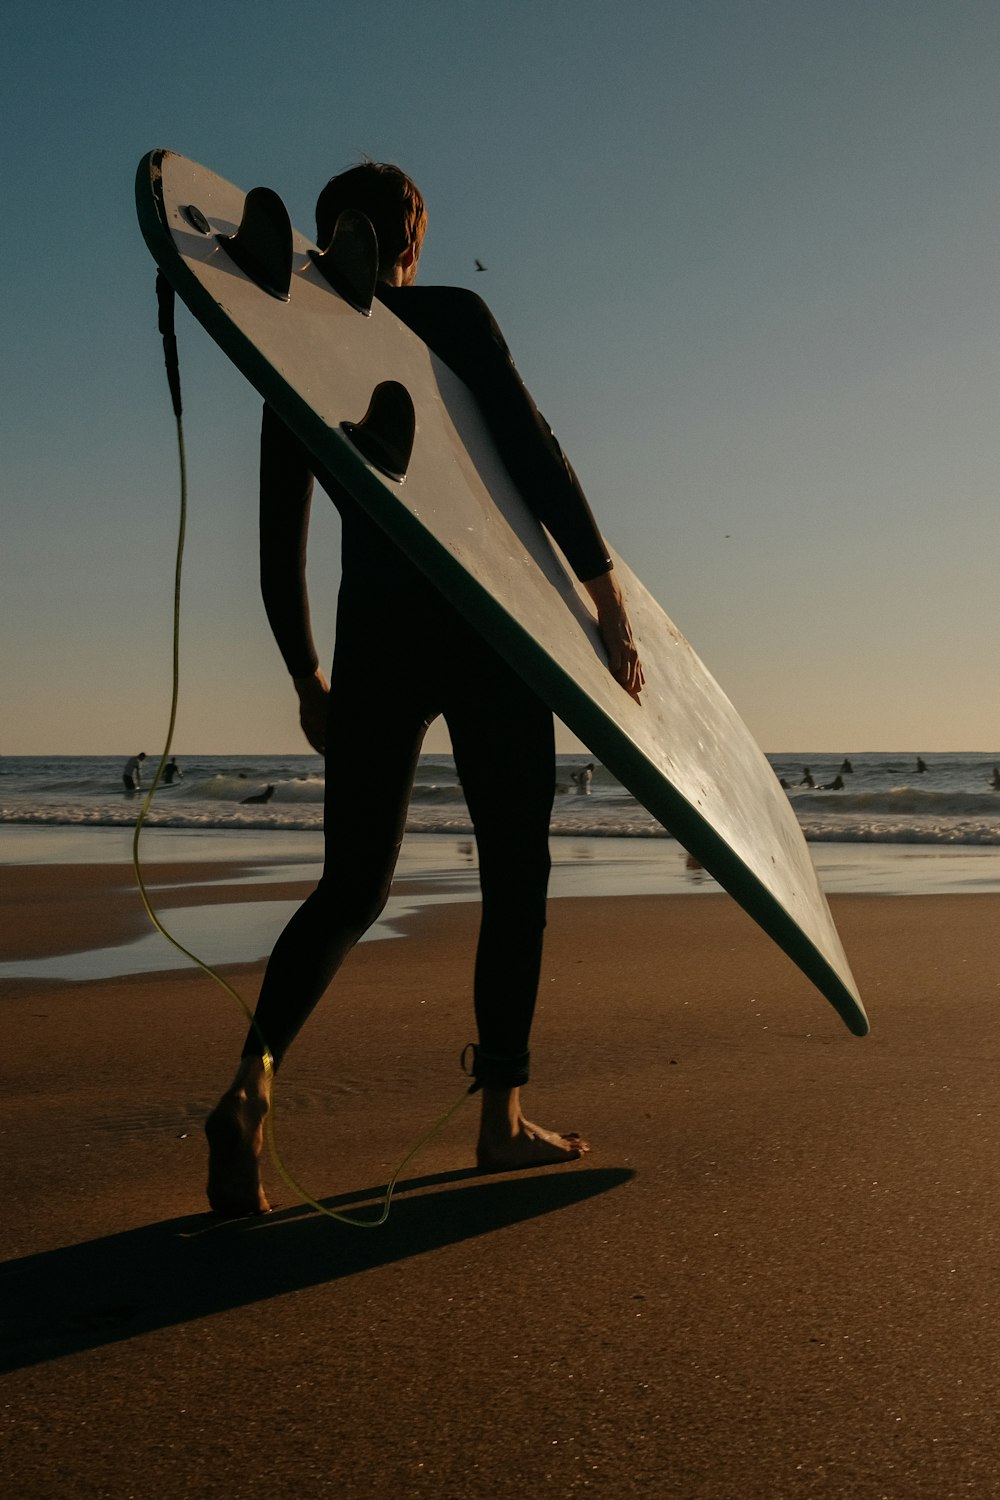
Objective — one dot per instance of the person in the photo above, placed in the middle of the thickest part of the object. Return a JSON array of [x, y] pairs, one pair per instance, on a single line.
[[921, 765], [807, 777], [264, 796], [583, 780], [836, 785], [845, 767], [369, 725], [132, 774], [995, 779], [171, 773]]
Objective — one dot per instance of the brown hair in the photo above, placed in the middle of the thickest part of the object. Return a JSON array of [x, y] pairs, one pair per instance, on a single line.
[[387, 196]]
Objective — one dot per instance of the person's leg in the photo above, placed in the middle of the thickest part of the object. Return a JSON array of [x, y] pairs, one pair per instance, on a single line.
[[502, 736], [369, 776], [372, 749]]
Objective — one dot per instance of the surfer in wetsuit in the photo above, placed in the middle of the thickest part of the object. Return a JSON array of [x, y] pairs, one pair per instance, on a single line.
[[132, 774], [404, 655]]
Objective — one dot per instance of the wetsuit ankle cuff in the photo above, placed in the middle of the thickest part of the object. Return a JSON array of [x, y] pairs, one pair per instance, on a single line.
[[491, 1070]]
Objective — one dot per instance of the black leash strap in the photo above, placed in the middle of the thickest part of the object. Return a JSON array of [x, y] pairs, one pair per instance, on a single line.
[[165, 303]]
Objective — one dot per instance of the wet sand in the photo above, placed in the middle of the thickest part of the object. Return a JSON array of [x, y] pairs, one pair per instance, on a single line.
[[774, 1275]]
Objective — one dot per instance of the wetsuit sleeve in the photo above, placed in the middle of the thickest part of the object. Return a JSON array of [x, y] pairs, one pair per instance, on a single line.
[[286, 484], [536, 462], [460, 328]]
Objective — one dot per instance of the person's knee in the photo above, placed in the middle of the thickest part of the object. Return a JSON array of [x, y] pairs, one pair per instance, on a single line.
[[514, 907], [353, 905]]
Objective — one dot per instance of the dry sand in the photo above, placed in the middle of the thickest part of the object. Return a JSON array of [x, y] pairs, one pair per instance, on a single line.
[[773, 1277]]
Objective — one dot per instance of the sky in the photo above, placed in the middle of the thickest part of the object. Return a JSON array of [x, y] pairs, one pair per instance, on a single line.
[[744, 253]]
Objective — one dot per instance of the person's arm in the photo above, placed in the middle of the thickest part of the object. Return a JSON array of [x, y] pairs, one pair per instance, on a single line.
[[616, 632], [462, 331], [286, 484], [546, 479]]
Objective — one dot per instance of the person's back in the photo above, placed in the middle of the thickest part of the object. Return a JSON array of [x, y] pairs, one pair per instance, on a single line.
[[377, 578]]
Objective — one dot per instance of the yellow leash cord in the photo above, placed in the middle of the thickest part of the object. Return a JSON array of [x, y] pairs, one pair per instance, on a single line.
[[165, 298]]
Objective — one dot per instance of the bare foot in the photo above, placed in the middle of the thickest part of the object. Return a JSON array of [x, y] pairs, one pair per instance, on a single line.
[[509, 1142], [235, 1132]]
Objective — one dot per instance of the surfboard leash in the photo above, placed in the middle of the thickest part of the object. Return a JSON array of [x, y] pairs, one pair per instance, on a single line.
[[166, 300]]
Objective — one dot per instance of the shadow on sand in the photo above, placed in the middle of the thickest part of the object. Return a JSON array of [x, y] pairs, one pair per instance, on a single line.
[[123, 1285]]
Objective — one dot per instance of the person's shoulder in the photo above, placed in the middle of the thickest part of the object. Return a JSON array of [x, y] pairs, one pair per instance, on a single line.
[[430, 296], [455, 305]]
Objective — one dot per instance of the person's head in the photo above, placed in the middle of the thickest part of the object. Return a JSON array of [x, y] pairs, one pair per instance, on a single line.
[[391, 201]]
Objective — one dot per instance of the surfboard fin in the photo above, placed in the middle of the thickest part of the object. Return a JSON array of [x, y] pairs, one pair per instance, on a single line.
[[384, 436], [350, 261], [262, 246]]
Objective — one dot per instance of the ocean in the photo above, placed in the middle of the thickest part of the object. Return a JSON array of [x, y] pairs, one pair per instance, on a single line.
[[885, 799], [891, 830]]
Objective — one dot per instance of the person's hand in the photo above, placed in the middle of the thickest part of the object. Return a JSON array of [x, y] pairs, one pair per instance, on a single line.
[[313, 694], [616, 633]]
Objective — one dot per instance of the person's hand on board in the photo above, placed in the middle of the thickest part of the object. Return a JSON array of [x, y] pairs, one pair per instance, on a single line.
[[616, 633]]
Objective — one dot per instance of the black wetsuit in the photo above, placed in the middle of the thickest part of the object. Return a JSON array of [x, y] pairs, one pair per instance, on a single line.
[[404, 655]]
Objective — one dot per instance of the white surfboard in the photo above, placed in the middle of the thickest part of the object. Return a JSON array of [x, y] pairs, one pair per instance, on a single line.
[[684, 753]]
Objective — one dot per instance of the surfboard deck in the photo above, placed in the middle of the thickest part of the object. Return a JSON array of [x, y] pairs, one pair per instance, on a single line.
[[684, 752]]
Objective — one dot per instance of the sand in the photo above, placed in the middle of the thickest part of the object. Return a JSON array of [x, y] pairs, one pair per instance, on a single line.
[[774, 1275]]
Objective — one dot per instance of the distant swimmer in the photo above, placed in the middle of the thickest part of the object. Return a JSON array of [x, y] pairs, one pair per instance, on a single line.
[[171, 773], [264, 796], [695, 869], [845, 767], [807, 777], [131, 776], [995, 779], [783, 783], [582, 779], [836, 785], [921, 766]]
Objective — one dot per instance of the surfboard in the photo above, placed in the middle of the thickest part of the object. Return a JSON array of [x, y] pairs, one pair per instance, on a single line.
[[422, 462]]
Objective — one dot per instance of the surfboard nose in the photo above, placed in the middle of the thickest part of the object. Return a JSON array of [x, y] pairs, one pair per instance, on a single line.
[[262, 246]]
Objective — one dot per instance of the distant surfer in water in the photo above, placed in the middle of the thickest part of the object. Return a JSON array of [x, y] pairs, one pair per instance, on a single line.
[[264, 796], [583, 780], [132, 774], [403, 656]]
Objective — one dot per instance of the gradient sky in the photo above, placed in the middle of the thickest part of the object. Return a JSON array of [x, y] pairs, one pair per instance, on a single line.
[[744, 254]]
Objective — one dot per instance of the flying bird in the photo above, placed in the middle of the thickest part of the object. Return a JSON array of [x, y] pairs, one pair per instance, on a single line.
[[480, 266]]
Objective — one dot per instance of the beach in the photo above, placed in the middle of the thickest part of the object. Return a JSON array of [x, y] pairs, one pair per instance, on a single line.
[[772, 1276]]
